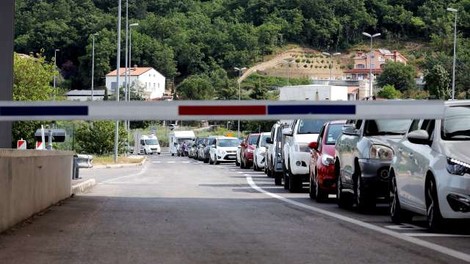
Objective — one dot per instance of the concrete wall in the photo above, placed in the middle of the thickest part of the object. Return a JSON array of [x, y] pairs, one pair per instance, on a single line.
[[31, 181]]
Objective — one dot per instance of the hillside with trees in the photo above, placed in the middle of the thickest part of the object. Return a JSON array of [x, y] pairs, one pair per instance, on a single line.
[[196, 44]]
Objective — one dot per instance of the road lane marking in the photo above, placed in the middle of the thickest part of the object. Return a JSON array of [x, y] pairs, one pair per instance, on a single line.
[[416, 241], [405, 227], [144, 170], [434, 235]]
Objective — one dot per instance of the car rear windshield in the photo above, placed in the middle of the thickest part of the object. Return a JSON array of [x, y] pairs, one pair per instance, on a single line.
[[310, 126], [456, 123]]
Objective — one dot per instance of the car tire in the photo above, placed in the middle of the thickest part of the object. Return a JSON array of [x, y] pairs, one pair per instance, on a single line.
[[311, 189], [343, 199], [295, 183], [278, 179], [237, 163], [285, 176], [363, 198], [397, 214], [433, 214]]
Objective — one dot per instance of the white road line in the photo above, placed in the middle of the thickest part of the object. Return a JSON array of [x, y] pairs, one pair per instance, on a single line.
[[433, 235], [144, 169], [435, 247]]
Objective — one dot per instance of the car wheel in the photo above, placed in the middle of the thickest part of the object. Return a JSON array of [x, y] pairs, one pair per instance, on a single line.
[[319, 193], [364, 200], [397, 214], [311, 189], [278, 178], [237, 163], [433, 213], [242, 166], [295, 183], [285, 176], [210, 160]]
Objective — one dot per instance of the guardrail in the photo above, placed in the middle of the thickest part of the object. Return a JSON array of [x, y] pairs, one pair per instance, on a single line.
[[84, 161]]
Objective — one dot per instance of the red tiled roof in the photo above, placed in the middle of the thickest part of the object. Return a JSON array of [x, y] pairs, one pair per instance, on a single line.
[[133, 71]]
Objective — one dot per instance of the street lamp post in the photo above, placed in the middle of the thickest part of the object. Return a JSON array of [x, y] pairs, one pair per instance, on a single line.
[[130, 59], [93, 65], [289, 61], [55, 67], [455, 49], [118, 67], [240, 72], [370, 59], [331, 58]]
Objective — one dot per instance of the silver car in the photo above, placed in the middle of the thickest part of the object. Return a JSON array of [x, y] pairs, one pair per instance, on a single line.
[[430, 172], [363, 155]]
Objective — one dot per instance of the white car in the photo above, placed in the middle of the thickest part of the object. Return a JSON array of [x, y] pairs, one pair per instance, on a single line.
[[430, 172], [224, 149], [296, 153], [259, 155]]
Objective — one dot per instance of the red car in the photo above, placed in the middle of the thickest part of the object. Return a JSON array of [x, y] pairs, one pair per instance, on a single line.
[[248, 146], [322, 164]]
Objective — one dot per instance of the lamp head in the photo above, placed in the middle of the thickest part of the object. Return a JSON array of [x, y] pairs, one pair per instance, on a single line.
[[451, 9]]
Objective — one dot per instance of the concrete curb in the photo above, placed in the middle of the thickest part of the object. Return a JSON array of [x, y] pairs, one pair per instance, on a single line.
[[83, 186]]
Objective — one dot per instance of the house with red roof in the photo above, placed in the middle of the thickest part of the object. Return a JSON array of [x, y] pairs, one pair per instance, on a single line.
[[146, 81]]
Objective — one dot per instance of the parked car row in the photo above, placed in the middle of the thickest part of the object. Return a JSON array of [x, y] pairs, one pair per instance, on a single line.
[[418, 167]]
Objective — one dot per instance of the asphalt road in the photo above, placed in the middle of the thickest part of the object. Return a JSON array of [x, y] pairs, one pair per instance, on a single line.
[[178, 210]]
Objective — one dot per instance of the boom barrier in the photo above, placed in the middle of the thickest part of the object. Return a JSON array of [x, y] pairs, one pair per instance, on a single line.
[[219, 110]]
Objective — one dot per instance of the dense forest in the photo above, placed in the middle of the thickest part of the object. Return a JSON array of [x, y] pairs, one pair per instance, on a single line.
[[204, 40]]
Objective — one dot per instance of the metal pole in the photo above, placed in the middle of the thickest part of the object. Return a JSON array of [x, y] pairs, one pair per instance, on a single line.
[[7, 29], [455, 56], [455, 50], [126, 62], [371, 92], [240, 71], [55, 67], [93, 65], [370, 59], [118, 66]]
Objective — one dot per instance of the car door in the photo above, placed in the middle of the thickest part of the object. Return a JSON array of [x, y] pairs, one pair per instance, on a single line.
[[420, 155], [412, 163]]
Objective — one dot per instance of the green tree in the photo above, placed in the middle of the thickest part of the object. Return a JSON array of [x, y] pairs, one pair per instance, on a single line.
[[98, 137], [437, 82], [389, 92], [196, 87], [398, 75], [31, 82]]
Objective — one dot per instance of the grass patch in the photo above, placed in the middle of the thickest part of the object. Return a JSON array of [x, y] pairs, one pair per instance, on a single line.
[[104, 160]]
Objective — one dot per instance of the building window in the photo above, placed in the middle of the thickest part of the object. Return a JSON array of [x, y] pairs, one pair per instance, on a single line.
[[360, 66]]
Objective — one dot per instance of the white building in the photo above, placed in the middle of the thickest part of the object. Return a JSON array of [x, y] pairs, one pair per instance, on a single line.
[[149, 82]]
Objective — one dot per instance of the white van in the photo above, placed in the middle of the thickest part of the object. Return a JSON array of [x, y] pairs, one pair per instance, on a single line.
[[149, 145], [175, 138]]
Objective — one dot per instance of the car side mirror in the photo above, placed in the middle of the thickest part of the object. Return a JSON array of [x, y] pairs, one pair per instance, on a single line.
[[418, 137], [269, 140], [313, 145]]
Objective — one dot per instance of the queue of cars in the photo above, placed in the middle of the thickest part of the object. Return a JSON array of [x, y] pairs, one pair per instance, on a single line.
[[418, 167]]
